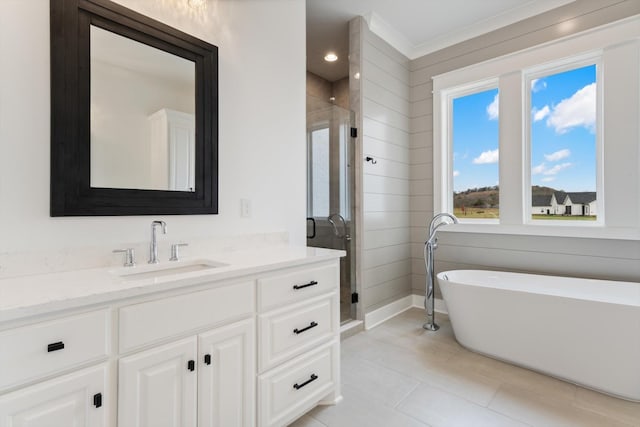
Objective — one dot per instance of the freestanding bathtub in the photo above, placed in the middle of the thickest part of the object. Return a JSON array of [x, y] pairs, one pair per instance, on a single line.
[[580, 330]]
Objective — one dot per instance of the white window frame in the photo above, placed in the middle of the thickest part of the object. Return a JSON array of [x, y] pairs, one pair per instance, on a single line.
[[544, 70], [449, 95], [617, 46]]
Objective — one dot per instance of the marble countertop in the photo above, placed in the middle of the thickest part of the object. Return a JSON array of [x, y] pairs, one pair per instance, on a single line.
[[38, 294]]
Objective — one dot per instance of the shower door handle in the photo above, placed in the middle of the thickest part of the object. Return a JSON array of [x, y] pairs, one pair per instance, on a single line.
[[313, 233]]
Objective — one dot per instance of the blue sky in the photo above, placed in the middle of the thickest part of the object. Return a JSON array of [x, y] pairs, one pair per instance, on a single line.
[[563, 134]]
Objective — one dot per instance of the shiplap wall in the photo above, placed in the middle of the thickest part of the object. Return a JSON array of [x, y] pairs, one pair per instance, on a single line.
[[597, 258], [385, 124]]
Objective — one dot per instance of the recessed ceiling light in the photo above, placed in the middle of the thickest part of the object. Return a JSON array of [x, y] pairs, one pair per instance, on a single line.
[[331, 57]]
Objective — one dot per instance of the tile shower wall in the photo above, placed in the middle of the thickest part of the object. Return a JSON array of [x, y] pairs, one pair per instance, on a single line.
[[385, 124], [596, 258]]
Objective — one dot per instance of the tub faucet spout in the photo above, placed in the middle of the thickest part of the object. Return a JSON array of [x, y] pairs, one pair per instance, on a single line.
[[430, 246]]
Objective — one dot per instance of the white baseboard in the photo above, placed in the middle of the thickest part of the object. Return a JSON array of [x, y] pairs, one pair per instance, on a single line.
[[440, 306], [376, 317]]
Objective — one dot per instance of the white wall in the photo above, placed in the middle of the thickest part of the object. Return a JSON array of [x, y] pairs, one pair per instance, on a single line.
[[262, 126], [384, 100]]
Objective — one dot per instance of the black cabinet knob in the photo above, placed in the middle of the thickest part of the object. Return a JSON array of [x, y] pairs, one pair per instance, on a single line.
[[207, 359], [97, 400], [191, 365], [55, 346]]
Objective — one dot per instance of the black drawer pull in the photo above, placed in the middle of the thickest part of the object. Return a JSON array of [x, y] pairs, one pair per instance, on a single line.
[[97, 400], [207, 359], [299, 386], [311, 283], [299, 331], [191, 365], [55, 346]]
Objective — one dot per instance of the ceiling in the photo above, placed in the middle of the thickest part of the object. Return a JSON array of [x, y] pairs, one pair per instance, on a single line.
[[414, 27]]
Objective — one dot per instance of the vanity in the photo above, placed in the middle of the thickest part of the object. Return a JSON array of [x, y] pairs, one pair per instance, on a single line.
[[242, 339], [228, 339]]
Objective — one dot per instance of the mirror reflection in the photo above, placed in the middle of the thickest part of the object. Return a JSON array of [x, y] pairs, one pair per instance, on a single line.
[[142, 116]]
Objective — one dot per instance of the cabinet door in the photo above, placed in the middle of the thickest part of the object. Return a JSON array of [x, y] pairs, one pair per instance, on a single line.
[[157, 387], [226, 377], [65, 401]]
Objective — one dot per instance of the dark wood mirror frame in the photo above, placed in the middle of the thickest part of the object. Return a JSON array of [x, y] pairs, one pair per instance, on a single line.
[[71, 191]]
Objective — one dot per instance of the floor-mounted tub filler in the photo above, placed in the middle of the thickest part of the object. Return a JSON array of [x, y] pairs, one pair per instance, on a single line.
[[430, 246], [580, 330]]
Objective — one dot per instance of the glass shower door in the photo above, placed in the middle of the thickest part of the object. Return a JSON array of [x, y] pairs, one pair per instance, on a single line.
[[330, 190]]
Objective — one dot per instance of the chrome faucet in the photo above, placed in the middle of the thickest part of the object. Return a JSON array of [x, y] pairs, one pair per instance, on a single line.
[[343, 223], [429, 247], [153, 249]]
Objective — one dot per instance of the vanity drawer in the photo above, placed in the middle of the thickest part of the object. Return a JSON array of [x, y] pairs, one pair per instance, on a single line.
[[154, 321], [297, 285], [293, 330], [289, 391], [34, 351]]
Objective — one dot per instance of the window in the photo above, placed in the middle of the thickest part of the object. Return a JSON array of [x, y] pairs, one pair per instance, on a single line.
[[568, 157], [563, 142], [319, 171], [474, 140]]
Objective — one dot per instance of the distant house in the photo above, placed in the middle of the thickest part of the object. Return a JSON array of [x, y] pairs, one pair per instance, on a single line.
[[580, 204], [562, 203], [541, 205], [557, 202]]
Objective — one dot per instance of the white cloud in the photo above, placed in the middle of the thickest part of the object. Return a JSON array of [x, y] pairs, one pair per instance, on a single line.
[[578, 110], [542, 168], [538, 169], [456, 173], [493, 109], [541, 114], [558, 155], [537, 85], [557, 168], [487, 157], [548, 179]]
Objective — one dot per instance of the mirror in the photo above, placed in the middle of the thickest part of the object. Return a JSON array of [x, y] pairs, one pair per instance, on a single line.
[[142, 115], [134, 114]]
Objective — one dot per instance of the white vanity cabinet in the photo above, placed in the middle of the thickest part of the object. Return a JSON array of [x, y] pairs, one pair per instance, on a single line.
[[41, 350], [299, 342], [203, 380], [157, 388], [227, 376], [256, 348], [75, 399]]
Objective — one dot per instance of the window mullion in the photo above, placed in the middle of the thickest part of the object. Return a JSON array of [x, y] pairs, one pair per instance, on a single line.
[[511, 149]]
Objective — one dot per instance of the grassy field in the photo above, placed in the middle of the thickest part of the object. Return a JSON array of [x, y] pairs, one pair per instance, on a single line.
[[564, 218], [495, 213], [477, 213]]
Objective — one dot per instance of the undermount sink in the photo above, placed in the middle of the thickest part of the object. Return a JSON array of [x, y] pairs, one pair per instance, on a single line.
[[166, 269]]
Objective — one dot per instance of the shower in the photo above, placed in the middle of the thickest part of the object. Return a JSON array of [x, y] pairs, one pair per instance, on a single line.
[[331, 191], [429, 248]]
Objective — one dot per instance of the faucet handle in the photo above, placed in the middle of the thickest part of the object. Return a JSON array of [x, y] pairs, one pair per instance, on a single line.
[[129, 256], [175, 255]]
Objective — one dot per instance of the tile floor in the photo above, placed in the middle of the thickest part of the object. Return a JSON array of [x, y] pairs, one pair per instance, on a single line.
[[399, 375]]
